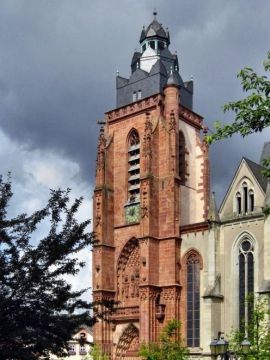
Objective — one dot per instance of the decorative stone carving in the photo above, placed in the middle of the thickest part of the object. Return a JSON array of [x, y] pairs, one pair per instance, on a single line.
[[128, 276], [100, 155], [147, 143], [143, 105], [127, 313], [128, 344], [168, 293], [190, 117], [98, 210], [171, 293], [144, 199], [148, 293], [172, 122], [143, 294]]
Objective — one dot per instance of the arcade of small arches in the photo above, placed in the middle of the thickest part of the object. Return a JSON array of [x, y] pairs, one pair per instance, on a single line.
[[244, 198]]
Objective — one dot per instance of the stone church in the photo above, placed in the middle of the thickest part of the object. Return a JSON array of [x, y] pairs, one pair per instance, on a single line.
[[165, 251]]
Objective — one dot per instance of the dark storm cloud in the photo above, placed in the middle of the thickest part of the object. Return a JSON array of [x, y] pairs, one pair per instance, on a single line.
[[58, 61]]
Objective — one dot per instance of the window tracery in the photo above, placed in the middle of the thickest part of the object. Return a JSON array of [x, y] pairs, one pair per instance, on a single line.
[[246, 280], [193, 267]]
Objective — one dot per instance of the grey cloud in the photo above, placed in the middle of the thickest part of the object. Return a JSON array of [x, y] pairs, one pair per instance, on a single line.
[[58, 61]]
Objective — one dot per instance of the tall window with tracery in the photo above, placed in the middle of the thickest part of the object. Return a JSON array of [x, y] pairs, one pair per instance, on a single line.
[[133, 166], [193, 300], [246, 280]]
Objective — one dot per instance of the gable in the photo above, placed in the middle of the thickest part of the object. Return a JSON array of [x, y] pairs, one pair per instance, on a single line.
[[249, 177]]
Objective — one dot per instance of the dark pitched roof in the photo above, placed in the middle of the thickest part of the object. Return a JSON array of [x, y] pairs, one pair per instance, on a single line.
[[135, 57], [137, 75], [158, 67], [257, 172], [121, 81], [154, 29]]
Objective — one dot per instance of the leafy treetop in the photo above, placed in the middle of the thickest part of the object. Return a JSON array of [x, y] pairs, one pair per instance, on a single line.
[[39, 310]]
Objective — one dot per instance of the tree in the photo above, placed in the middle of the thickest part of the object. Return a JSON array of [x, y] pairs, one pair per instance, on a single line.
[[257, 331], [96, 354], [252, 114], [170, 346], [39, 311]]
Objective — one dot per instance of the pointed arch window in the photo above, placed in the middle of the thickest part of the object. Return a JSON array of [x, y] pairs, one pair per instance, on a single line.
[[244, 199], [238, 203], [251, 200], [246, 280], [193, 300], [182, 157], [133, 166]]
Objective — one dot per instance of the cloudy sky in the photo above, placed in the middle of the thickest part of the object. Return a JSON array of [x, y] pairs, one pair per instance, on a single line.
[[58, 61]]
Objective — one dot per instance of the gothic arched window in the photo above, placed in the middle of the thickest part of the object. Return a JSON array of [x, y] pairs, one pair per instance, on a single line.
[[246, 280], [238, 203], [251, 200], [244, 198], [133, 166], [193, 299]]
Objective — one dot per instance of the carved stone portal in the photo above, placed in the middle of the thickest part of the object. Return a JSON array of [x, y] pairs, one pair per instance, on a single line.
[[128, 344]]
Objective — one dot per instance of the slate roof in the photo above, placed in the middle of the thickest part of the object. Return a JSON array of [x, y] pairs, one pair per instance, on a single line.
[[257, 172], [154, 29], [173, 79], [135, 57], [159, 68]]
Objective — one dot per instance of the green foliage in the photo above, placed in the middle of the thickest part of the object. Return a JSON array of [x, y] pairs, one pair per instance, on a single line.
[[170, 346], [96, 354], [252, 114], [257, 331], [39, 311]]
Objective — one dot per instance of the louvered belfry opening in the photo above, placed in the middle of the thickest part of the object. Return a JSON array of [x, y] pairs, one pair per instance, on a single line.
[[134, 167]]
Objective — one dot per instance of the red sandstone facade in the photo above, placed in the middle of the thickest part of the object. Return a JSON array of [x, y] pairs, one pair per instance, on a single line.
[[140, 264]]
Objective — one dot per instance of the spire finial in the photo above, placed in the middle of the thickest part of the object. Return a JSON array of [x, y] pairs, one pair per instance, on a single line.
[[155, 13], [213, 215]]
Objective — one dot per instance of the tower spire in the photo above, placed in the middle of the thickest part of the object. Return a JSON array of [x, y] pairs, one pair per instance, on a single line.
[[155, 14]]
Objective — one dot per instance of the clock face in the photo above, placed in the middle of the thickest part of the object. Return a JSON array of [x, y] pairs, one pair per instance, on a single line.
[[132, 213]]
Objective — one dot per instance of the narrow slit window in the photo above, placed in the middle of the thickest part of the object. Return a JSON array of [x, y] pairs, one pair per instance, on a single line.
[[238, 203], [245, 193], [251, 200]]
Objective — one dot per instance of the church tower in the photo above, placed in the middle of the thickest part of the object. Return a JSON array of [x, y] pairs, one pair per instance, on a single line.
[[152, 184]]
